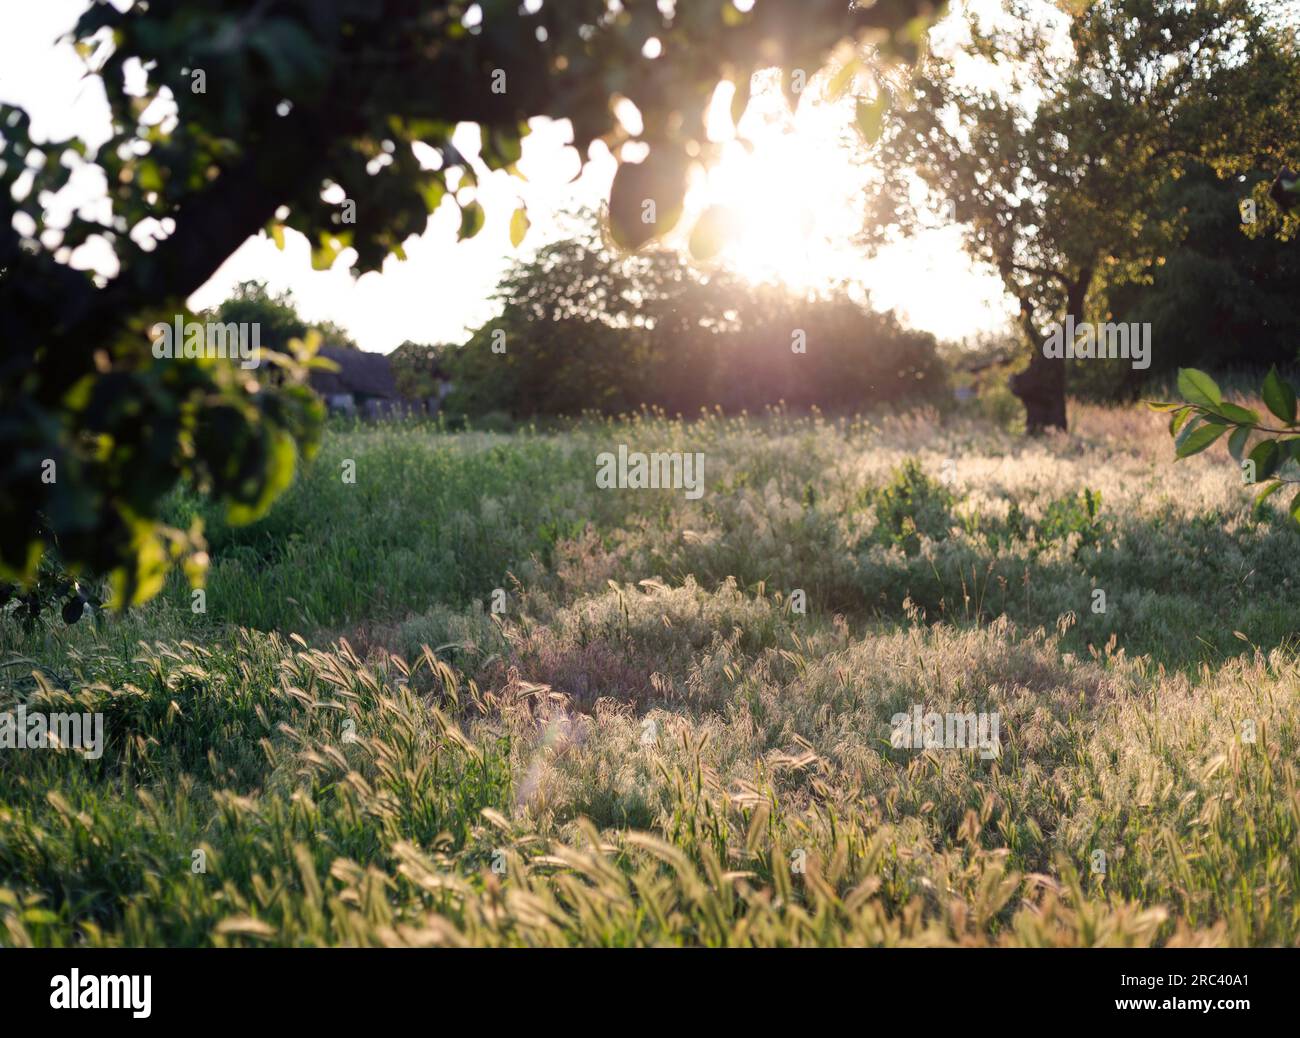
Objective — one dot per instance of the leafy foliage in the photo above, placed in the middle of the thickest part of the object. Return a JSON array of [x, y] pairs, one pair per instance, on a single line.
[[276, 316], [911, 505], [52, 594], [415, 369], [1267, 446], [585, 329], [1223, 297], [1064, 517]]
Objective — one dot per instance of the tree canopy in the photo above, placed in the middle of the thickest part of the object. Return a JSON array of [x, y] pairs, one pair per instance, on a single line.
[[1218, 299], [1055, 164], [585, 328]]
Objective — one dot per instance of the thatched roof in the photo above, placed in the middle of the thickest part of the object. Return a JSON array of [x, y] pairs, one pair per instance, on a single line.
[[359, 372]]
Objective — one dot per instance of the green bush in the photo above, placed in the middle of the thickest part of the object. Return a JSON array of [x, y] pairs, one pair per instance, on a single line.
[[996, 403], [912, 505]]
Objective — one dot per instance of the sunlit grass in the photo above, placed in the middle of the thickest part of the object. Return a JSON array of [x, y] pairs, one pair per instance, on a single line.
[[652, 745]]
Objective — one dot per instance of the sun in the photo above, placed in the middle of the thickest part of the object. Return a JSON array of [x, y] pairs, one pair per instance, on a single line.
[[777, 234], [793, 192]]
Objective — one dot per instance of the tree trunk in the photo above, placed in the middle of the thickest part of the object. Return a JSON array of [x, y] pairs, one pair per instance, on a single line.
[[1041, 386]]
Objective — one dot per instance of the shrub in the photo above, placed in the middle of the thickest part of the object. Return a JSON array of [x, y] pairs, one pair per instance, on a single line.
[[910, 506]]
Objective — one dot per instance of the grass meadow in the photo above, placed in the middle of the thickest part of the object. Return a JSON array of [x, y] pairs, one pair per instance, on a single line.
[[678, 729]]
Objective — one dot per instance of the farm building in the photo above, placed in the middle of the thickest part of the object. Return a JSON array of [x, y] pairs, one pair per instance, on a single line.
[[365, 385]]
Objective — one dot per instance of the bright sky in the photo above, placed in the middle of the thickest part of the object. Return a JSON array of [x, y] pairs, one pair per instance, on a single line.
[[795, 196]]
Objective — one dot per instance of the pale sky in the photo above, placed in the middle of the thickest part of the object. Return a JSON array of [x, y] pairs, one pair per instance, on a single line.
[[797, 186]]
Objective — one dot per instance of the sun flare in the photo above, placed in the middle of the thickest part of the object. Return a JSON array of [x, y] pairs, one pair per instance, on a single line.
[[793, 185], [792, 191]]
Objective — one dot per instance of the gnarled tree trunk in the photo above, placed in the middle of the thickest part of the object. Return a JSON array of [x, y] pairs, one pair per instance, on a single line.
[[1041, 386]]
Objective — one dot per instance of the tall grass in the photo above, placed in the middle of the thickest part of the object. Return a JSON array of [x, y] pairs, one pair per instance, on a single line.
[[654, 743]]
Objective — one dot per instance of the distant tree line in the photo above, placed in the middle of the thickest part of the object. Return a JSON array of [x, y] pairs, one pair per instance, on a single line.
[[252, 302], [585, 328]]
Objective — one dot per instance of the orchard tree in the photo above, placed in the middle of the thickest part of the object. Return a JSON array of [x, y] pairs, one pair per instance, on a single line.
[[1052, 155], [277, 315], [578, 327], [256, 115]]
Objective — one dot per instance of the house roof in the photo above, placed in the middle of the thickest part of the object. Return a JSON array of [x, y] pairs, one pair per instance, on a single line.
[[359, 372]]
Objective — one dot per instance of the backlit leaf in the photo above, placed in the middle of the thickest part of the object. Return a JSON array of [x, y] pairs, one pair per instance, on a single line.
[[1198, 388], [518, 226], [1197, 439], [1279, 397]]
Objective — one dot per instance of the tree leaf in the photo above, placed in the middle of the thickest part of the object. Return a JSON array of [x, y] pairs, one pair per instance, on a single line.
[[870, 116], [1267, 492], [711, 233], [1240, 415], [324, 255], [645, 200], [518, 226], [281, 457], [1197, 439], [1267, 457], [471, 220], [1279, 397], [840, 81], [432, 191], [1198, 388], [1237, 441]]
